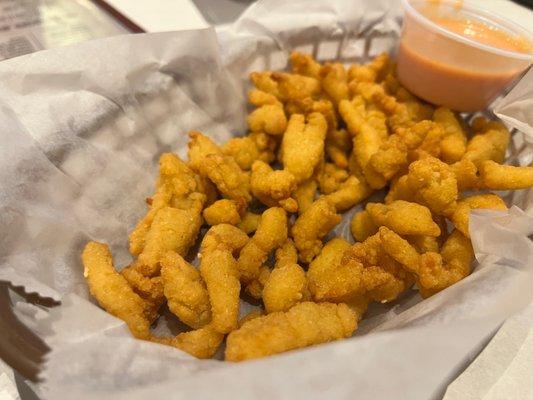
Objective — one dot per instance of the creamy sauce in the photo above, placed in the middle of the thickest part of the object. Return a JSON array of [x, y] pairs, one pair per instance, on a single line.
[[483, 33], [449, 72]]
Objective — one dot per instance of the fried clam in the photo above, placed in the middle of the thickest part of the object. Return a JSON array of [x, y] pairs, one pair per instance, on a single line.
[[224, 211], [303, 325], [434, 271], [270, 234], [209, 161], [219, 270], [302, 146], [287, 282], [273, 188], [312, 226]]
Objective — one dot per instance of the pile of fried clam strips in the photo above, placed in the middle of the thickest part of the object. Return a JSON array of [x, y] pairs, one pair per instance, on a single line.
[[322, 139]]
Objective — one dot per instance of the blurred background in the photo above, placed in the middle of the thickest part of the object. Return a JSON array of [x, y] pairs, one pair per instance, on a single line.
[[30, 25]]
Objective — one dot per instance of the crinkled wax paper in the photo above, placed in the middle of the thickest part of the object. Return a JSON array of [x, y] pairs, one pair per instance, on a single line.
[[81, 130]]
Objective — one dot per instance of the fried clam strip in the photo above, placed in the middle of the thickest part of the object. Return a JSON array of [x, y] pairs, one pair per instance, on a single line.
[[363, 271], [338, 146], [461, 215], [305, 194], [489, 143], [249, 222], [323, 267], [434, 184], [286, 87], [270, 234], [269, 116], [349, 193], [374, 71], [305, 324], [115, 295], [363, 226], [329, 177], [219, 271], [404, 218], [312, 226], [495, 176], [434, 271], [172, 229], [302, 147], [210, 162], [255, 146], [404, 146], [113, 292], [255, 287], [400, 114], [273, 188], [334, 81], [305, 64], [224, 212], [177, 186], [287, 283], [453, 145], [369, 132], [186, 293], [200, 343]]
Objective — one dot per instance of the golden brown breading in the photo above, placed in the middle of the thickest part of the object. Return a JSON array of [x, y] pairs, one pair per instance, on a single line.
[[243, 150], [349, 193], [249, 222], [453, 145], [172, 229], [255, 287], [112, 291], [209, 160], [269, 116], [305, 194], [403, 146], [302, 146], [495, 176], [338, 146], [200, 343], [273, 188], [323, 269], [438, 271], [490, 143], [330, 177], [312, 226], [186, 293], [404, 218], [461, 215], [374, 71], [303, 325], [287, 283], [363, 226], [224, 212], [270, 234], [177, 186], [221, 276], [150, 289], [435, 185], [466, 174], [305, 64], [224, 236], [334, 81]]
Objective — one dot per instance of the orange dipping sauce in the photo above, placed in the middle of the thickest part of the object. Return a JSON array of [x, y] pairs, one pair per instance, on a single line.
[[483, 33], [452, 72]]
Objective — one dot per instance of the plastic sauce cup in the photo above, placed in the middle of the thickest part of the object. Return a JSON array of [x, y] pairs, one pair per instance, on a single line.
[[450, 68]]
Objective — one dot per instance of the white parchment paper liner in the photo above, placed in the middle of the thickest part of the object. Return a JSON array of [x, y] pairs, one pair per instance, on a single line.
[[81, 130]]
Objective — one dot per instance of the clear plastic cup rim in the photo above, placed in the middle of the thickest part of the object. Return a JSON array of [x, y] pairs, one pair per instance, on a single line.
[[485, 15]]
